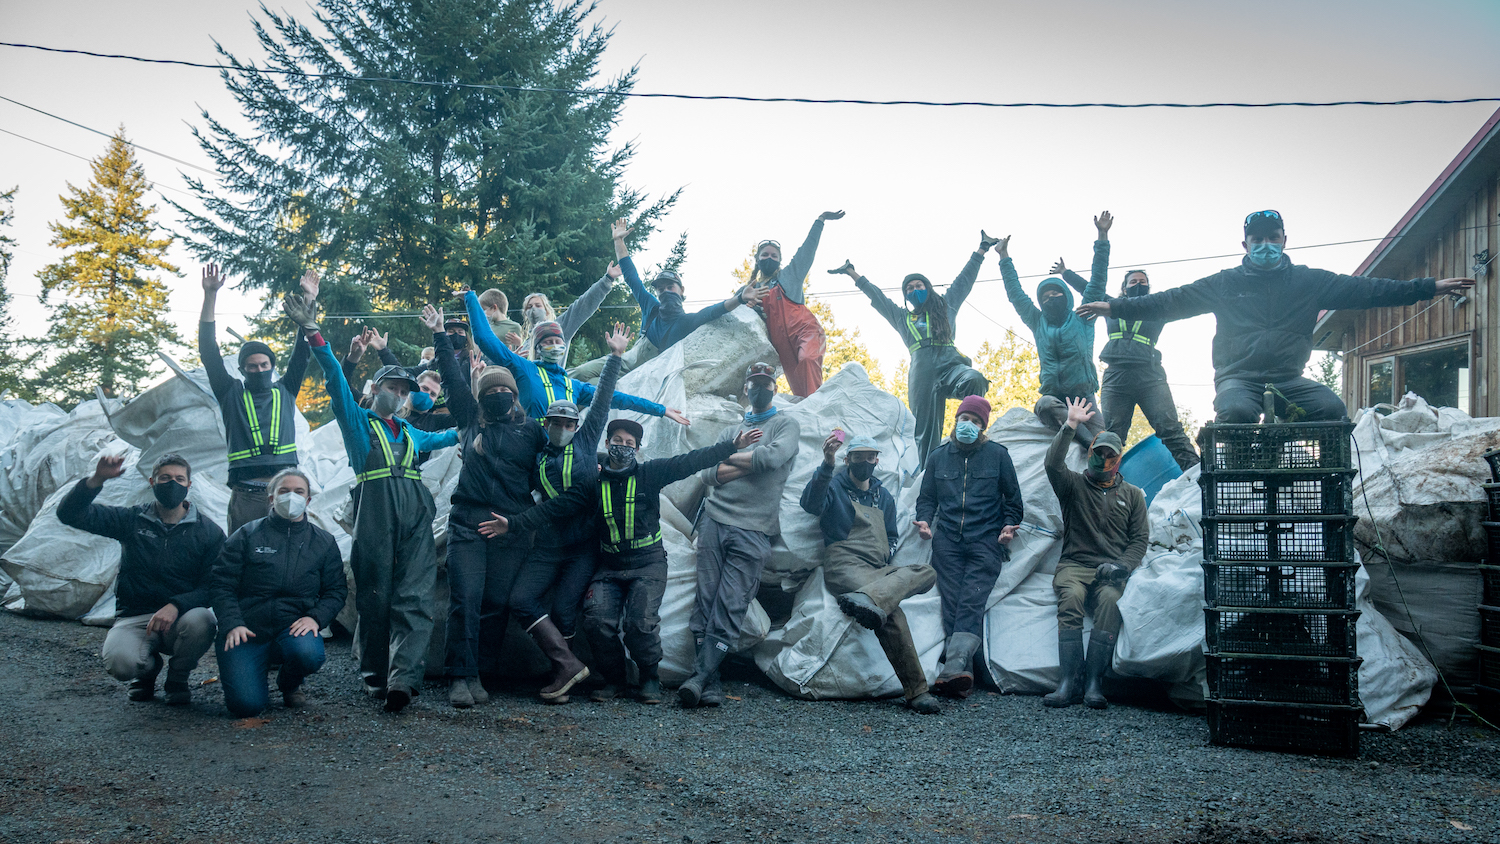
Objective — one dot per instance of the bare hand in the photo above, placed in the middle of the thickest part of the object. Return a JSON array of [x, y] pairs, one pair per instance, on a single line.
[[378, 341], [1102, 223], [1089, 310], [476, 361], [238, 636], [831, 447], [986, 242], [678, 417], [497, 526], [163, 620], [620, 230], [212, 281], [304, 625], [110, 466], [357, 344], [847, 269], [1002, 247], [513, 341], [618, 340], [1059, 268], [614, 271], [924, 530], [748, 438], [309, 285], [1079, 411], [432, 318], [1007, 533], [751, 295], [1454, 285], [831, 215]]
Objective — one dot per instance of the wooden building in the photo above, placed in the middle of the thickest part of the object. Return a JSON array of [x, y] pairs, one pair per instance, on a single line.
[[1443, 350]]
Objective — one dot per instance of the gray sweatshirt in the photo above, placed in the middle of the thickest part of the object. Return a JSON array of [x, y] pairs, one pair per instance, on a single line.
[[754, 501]]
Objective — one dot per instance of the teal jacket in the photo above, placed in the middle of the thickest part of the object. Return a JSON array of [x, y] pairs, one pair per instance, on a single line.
[[1066, 351]]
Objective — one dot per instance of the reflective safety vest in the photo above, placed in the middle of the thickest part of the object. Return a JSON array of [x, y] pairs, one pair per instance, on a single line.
[[567, 473], [388, 466], [264, 439], [920, 333], [1122, 330], [622, 539], [555, 392]]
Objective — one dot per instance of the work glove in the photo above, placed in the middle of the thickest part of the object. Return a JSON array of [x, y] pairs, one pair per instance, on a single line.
[[986, 242], [300, 312], [1111, 574]]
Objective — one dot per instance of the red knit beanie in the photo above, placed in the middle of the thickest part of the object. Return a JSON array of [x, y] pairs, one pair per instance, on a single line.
[[979, 406]]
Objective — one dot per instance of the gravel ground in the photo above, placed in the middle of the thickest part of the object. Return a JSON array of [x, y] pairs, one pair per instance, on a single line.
[[85, 765]]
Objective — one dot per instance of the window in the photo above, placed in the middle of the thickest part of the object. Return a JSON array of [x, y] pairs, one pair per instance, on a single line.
[[1440, 376], [1382, 382]]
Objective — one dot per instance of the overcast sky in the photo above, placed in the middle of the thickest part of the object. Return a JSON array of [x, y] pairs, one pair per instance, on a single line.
[[918, 183]]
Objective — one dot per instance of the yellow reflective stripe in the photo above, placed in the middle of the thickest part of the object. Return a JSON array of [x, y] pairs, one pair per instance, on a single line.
[[1133, 330], [390, 469], [917, 334], [258, 437], [617, 543], [567, 471], [607, 489]]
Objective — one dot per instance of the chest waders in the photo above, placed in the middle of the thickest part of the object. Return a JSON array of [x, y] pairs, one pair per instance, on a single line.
[[938, 372]]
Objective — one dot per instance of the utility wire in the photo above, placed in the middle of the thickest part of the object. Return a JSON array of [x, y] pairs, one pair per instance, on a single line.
[[108, 135], [156, 185], [733, 97]]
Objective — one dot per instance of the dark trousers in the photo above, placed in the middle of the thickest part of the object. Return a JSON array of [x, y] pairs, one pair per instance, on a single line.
[[627, 600], [242, 669], [481, 573], [936, 376], [395, 579], [248, 502], [1125, 387], [730, 562], [567, 572], [1239, 400], [966, 573]]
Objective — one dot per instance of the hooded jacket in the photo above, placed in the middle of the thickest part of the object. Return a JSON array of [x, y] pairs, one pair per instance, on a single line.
[[1266, 317], [830, 495], [1065, 350], [273, 572]]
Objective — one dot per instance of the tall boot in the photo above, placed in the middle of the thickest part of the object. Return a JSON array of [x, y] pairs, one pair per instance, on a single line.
[[705, 671], [1101, 654], [567, 669], [1070, 657], [957, 678]]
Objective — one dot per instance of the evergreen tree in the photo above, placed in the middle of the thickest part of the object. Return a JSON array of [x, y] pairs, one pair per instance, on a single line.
[[14, 360], [108, 316], [403, 194]]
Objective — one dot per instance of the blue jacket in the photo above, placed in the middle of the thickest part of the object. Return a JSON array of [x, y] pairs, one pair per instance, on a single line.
[[828, 495], [1066, 351], [533, 379], [658, 328], [354, 420]]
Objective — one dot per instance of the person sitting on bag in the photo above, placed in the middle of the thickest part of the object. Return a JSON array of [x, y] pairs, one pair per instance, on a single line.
[[858, 518]]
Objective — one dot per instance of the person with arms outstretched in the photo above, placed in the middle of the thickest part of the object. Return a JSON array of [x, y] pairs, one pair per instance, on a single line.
[[794, 331]]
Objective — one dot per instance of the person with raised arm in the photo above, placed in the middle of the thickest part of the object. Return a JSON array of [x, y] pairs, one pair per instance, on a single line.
[[795, 332], [536, 309]]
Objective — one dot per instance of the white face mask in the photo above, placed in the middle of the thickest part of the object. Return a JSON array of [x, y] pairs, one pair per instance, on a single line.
[[289, 506]]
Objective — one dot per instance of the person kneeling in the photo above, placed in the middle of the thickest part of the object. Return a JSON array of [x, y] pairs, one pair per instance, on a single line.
[[858, 518], [279, 581], [1104, 539]]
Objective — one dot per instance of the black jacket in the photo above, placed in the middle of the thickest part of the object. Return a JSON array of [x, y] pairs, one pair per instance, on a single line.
[[970, 493], [830, 494], [1266, 317], [159, 563], [581, 462], [1131, 342], [247, 460], [273, 572]]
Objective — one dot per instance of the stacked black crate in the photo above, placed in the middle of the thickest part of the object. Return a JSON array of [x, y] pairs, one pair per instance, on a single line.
[[1488, 688], [1279, 566]]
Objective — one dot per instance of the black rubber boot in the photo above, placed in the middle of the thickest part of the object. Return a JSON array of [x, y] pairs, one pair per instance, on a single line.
[[649, 691], [957, 678], [858, 606], [1070, 657], [705, 671], [143, 688], [1101, 654]]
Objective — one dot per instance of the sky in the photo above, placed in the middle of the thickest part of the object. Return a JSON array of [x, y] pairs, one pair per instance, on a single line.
[[917, 183]]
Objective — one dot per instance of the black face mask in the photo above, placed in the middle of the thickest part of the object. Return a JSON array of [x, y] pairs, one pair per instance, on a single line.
[[671, 304], [497, 405], [169, 494], [1137, 290], [623, 455], [258, 382], [459, 341], [768, 266], [1055, 309], [760, 397], [861, 471]]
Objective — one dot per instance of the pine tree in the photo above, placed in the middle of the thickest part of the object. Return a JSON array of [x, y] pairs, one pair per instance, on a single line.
[[14, 359], [403, 194], [108, 316]]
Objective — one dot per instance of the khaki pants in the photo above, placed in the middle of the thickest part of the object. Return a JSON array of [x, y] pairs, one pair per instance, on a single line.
[[1078, 594], [886, 587], [246, 504], [130, 652]]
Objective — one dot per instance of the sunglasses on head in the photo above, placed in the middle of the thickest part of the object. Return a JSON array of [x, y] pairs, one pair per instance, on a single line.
[[1263, 215], [761, 369]]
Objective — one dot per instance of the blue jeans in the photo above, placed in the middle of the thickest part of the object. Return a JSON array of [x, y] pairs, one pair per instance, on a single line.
[[242, 669]]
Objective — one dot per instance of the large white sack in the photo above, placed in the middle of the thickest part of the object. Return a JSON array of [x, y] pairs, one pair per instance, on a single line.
[[1395, 680], [51, 450], [1432, 605]]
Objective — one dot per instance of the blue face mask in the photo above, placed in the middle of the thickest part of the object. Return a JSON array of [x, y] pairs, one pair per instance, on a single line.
[[917, 297], [421, 402], [1265, 256], [966, 432]]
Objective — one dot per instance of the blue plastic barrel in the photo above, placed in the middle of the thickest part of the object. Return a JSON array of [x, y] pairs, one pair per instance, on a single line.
[[1149, 465]]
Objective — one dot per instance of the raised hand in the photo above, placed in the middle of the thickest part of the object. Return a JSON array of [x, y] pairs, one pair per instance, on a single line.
[[212, 281], [513, 341], [618, 340], [751, 295], [1079, 411], [847, 269], [432, 318], [831, 215], [924, 530], [747, 438], [1002, 247], [678, 416], [1102, 223], [300, 312], [110, 466], [476, 362], [1453, 285], [379, 341], [986, 242], [309, 285], [357, 344], [621, 229], [831, 447], [614, 271], [1089, 310], [1059, 268]]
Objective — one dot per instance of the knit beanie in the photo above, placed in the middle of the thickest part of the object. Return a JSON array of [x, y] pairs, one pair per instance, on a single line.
[[494, 376], [979, 406], [255, 347]]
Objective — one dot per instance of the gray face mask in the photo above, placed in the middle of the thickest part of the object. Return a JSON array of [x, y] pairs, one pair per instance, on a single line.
[[385, 403], [559, 436], [536, 313]]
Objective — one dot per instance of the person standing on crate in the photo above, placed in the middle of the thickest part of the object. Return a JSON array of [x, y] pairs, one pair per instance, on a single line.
[[1266, 309], [1104, 539]]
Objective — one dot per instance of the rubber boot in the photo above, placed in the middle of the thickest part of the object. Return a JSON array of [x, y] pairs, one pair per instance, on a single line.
[[1101, 654], [858, 606], [705, 671], [143, 688], [1070, 657], [956, 679], [459, 696], [924, 704], [567, 669], [397, 697], [649, 692]]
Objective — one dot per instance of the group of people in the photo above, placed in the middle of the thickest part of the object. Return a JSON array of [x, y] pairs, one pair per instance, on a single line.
[[555, 520]]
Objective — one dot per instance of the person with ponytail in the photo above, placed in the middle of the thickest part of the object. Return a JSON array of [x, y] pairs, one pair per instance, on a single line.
[[794, 331]]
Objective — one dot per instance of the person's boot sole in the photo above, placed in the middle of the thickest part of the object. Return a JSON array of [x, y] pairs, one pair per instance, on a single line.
[[864, 616], [583, 674], [1100, 703], [1062, 703]]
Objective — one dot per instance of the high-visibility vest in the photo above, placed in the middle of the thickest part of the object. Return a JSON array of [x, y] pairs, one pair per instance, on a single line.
[[263, 441], [389, 466], [555, 392], [622, 539], [921, 334], [1122, 330], [567, 472]]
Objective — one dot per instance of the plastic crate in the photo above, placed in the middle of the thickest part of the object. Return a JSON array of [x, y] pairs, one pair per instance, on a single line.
[[1489, 666], [1278, 494], [1281, 632], [1300, 445], [1489, 626], [1492, 534], [1303, 539], [1324, 681], [1306, 586], [1492, 492], [1492, 457], [1324, 730], [1491, 575]]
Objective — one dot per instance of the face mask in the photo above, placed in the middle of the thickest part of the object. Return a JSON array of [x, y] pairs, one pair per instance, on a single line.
[[1055, 309], [536, 313], [621, 455], [553, 354], [917, 297], [966, 432], [1265, 256], [768, 266], [497, 405], [761, 396], [258, 382], [559, 436], [1102, 466], [1137, 290], [671, 304], [386, 403], [861, 471], [169, 494], [289, 506], [421, 402], [459, 341]]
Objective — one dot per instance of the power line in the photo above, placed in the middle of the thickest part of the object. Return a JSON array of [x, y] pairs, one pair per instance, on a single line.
[[156, 185], [107, 135], [607, 92]]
